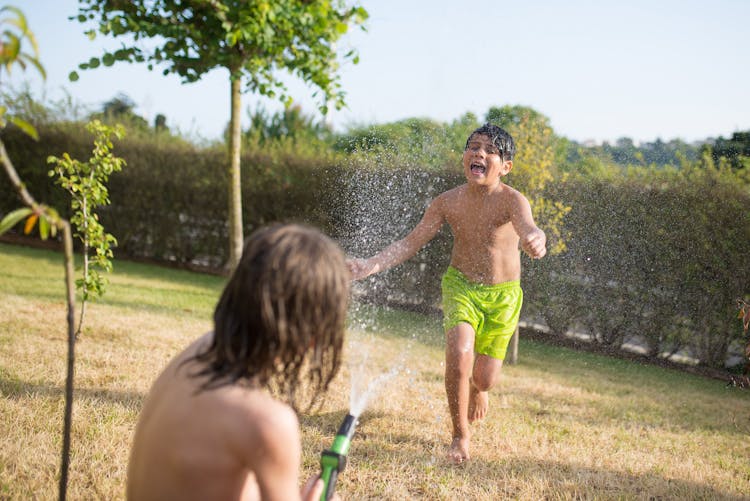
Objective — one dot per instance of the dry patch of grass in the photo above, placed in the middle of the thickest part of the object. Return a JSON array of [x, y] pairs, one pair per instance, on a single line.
[[562, 424], [121, 350]]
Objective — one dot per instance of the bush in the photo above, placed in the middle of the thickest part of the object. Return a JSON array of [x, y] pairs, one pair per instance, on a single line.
[[653, 254], [659, 255]]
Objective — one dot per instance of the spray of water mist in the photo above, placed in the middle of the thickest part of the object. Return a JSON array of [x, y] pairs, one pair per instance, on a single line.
[[382, 205], [362, 390]]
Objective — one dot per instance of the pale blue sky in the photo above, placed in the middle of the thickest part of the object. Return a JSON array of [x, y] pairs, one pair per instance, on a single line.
[[599, 69]]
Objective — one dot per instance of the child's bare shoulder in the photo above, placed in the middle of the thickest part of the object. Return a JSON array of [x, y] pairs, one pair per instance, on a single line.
[[260, 419], [512, 196], [262, 409], [452, 196]]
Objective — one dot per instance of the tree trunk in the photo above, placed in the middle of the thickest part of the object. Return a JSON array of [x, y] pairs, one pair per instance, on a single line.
[[64, 226], [236, 237], [70, 372], [512, 357]]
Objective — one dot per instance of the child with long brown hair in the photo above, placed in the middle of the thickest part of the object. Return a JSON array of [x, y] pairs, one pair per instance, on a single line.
[[220, 421]]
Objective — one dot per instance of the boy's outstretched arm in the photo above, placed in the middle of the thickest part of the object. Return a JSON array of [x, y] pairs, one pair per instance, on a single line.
[[533, 240], [403, 249]]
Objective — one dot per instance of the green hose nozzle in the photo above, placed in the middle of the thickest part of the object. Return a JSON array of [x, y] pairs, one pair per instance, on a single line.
[[333, 460]]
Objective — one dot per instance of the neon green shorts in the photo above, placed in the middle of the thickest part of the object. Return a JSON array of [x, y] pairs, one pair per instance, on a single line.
[[491, 310]]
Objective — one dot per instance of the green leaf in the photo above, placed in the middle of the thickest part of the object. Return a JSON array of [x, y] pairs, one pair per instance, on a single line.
[[123, 54], [52, 214], [361, 15], [25, 126], [37, 65], [12, 218], [11, 47], [73, 76], [44, 227]]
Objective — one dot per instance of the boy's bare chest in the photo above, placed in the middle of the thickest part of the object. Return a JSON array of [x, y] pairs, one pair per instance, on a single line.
[[484, 225]]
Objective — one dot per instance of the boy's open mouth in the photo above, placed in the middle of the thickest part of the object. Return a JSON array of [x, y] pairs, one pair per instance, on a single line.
[[478, 169]]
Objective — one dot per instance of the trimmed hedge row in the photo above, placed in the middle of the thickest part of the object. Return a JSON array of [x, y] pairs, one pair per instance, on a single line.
[[170, 201], [653, 256], [659, 258]]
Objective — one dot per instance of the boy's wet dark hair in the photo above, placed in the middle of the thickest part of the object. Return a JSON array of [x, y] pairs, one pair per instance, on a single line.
[[283, 309], [499, 137]]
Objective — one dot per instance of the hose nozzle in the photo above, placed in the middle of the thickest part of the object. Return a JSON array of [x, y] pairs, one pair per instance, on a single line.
[[333, 460]]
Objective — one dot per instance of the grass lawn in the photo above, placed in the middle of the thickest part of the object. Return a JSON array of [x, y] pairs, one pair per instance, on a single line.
[[562, 424]]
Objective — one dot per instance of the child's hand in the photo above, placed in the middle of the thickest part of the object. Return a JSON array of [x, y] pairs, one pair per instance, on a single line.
[[361, 268], [535, 244], [313, 489]]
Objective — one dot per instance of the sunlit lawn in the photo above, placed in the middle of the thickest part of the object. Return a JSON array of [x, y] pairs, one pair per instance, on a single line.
[[562, 424]]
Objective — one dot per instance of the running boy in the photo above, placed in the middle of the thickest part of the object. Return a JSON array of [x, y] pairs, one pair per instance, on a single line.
[[481, 289], [209, 428]]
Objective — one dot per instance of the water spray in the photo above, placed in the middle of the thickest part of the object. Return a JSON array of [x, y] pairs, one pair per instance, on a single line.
[[333, 460]]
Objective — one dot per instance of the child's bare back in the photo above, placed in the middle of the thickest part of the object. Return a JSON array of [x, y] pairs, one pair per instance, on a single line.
[[210, 427], [193, 444]]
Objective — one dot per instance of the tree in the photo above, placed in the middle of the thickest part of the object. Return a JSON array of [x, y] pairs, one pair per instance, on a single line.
[[160, 122], [11, 40], [744, 315], [86, 184], [735, 149], [289, 123], [251, 39], [120, 109], [413, 141], [534, 168]]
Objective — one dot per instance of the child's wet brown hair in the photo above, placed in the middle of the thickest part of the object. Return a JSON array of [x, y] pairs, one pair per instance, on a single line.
[[282, 311], [502, 140]]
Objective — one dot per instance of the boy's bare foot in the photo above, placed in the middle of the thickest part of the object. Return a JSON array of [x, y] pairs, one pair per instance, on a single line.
[[479, 402], [459, 450]]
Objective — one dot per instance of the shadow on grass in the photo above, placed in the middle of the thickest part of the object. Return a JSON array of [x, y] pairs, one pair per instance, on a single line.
[[390, 322], [28, 283], [575, 481], [198, 303], [15, 389], [328, 423], [424, 460], [51, 253], [129, 283]]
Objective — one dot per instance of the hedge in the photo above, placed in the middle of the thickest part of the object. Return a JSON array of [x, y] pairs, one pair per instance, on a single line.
[[653, 255]]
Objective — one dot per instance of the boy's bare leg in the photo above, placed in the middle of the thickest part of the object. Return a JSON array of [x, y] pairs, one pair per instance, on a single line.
[[479, 402], [484, 376], [459, 362]]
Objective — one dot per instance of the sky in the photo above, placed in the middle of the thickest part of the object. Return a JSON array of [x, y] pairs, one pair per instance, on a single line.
[[598, 69]]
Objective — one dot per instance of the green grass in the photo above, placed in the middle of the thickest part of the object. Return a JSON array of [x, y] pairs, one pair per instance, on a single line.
[[562, 424], [31, 272]]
